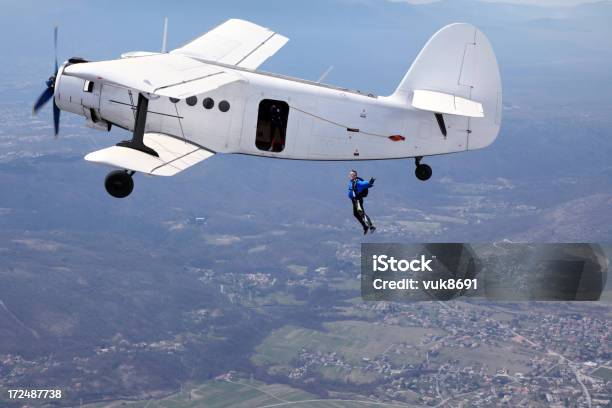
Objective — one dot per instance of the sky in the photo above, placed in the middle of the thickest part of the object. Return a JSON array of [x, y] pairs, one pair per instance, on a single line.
[[530, 2]]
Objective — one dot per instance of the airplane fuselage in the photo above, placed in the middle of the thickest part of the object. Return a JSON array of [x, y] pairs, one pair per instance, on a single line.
[[319, 122]]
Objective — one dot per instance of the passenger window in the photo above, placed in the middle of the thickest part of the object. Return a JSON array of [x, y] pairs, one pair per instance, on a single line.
[[271, 125], [208, 103], [192, 100]]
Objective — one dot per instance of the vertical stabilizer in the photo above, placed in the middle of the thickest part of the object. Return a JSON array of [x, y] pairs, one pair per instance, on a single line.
[[459, 71]]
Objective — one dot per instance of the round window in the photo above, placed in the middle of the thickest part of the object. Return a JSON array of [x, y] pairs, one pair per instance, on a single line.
[[191, 101], [174, 100], [208, 103], [224, 106]]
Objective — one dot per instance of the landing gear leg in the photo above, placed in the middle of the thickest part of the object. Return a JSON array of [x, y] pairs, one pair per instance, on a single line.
[[119, 183], [422, 171]]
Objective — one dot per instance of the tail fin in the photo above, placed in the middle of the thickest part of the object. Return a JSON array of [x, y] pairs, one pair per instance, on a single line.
[[459, 66]]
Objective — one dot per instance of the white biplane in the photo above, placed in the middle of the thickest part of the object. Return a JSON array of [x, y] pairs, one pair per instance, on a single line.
[[207, 97]]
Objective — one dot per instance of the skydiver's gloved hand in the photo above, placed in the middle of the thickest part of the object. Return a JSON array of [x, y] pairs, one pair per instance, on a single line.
[[372, 180]]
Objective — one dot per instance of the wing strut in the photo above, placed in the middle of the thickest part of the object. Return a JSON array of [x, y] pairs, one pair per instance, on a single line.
[[137, 142]]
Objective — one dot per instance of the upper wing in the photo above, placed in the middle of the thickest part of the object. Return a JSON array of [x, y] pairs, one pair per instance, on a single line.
[[175, 155], [235, 42], [170, 75], [179, 74]]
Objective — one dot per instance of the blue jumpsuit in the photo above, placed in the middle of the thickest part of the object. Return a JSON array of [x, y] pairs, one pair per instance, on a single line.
[[355, 190]]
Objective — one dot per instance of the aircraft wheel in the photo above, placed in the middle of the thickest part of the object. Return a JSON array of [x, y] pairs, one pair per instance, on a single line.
[[119, 183], [423, 172]]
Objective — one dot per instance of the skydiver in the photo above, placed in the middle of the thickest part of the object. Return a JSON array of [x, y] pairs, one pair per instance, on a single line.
[[276, 122], [357, 190]]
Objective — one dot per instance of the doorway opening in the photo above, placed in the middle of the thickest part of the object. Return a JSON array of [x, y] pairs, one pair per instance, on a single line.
[[271, 125]]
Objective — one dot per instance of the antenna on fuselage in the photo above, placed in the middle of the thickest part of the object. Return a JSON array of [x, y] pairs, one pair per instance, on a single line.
[[327, 71], [165, 38]]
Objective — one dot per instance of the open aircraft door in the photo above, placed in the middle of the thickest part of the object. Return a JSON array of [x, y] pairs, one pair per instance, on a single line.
[[268, 126]]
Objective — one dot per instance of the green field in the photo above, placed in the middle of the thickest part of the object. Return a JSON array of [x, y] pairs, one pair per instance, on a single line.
[[241, 393], [350, 340], [495, 358], [220, 393], [605, 373]]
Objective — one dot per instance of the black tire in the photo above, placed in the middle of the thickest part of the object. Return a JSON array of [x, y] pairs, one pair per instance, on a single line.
[[119, 183], [423, 172]]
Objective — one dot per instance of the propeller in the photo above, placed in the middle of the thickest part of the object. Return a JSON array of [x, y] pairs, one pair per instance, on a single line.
[[48, 93]]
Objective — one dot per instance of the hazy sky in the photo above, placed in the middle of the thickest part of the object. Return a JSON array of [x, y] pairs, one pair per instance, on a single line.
[[532, 2]]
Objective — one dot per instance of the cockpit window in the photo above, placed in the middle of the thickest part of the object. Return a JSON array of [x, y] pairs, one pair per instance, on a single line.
[[88, 86]]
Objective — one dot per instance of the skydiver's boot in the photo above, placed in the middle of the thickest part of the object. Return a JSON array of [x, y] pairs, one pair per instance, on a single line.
[[362, 221], [368, 222]]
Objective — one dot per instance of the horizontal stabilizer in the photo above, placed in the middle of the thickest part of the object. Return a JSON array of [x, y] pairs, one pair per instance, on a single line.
[[439, 102], [175, 155]]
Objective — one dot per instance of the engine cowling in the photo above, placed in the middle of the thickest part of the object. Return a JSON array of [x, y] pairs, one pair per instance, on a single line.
[[79, 96]]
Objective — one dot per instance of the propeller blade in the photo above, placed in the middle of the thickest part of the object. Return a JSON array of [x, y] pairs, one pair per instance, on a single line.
[[56, 118], [48, 93], [42, 99], [55, 47]]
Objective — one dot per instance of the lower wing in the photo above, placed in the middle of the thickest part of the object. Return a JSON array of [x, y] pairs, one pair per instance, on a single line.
[[175, 155]]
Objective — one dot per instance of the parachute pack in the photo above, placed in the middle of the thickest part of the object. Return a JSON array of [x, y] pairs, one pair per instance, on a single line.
[[364, 192]]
